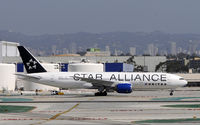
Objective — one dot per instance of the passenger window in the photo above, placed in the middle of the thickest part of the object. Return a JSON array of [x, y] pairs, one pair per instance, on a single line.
[[161, 84]]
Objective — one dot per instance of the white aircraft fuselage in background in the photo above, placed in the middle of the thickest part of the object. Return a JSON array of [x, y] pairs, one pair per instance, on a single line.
[[121, 82]]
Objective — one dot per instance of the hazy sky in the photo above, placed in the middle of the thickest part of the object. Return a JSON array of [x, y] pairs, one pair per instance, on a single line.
[[97, 16]]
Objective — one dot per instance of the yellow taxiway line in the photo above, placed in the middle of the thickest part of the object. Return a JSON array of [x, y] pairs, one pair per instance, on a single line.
[[57, 115]]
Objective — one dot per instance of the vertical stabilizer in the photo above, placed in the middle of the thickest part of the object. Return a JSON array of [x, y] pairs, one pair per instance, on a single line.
[[31, 64]]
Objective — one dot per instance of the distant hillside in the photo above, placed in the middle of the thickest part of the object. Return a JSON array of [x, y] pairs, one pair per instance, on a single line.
[[59, 43]]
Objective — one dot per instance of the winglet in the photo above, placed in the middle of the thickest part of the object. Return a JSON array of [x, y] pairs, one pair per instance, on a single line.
[[31, 64]]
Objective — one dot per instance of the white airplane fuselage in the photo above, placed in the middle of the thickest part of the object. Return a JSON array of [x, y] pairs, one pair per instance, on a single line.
[[139, 81], [121, 82]]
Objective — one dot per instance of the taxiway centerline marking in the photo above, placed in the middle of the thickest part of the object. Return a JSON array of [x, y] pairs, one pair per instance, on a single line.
[[57, 115]]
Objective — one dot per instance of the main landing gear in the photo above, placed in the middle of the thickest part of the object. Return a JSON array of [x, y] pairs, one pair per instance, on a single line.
[[104, 93], [101, 92], [171, 93]]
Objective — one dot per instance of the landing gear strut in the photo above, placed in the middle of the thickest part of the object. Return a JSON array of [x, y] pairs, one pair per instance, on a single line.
[[171, 93]]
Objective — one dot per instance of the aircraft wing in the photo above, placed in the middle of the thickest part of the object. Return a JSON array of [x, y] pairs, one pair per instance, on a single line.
[[25, 76], [97, 82]]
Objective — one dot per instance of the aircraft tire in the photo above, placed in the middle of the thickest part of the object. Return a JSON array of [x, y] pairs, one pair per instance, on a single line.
[[101, 93], [104, 93], [97, 94], [171, 93]]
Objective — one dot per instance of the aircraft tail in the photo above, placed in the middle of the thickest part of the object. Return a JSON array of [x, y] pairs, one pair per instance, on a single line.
[[31, 64]]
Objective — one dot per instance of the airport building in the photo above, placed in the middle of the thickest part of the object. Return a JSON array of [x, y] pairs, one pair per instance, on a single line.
[[7, 71], [8, 49], [149, 62]]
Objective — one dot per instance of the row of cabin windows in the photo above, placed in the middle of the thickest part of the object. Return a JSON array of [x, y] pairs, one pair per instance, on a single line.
[[156, 84]]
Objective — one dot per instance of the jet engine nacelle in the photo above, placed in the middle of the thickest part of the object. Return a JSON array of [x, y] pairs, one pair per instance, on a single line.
[[124, 88]]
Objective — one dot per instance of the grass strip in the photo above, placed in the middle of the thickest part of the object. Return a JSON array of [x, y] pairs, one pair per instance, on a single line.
[[188, 120], [15, 109]]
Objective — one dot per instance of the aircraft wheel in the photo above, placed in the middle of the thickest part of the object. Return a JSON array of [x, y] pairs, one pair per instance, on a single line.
[[171, 93], [97, 94], [101, 93], [104, 93]]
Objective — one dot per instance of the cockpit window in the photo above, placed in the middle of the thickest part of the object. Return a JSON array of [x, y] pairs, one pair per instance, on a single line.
[[181, 78]]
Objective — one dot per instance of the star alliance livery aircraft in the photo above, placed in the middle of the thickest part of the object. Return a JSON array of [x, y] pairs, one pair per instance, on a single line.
[[121, 82]]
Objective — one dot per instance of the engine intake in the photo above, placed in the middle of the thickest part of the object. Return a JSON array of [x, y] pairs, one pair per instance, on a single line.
[[124, 88]]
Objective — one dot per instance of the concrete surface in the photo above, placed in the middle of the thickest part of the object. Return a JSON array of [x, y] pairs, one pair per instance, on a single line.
[[112, 109]]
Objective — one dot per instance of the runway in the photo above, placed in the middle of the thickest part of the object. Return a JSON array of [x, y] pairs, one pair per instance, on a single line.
[[140, 107]]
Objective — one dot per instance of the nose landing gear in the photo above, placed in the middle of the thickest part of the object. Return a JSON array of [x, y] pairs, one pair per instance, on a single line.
[[171, 93]]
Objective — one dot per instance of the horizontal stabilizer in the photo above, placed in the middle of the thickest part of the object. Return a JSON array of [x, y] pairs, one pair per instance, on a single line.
[[26, 76]]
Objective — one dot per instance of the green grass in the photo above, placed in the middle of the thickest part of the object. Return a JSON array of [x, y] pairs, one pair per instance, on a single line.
[[14, 109], [188, 120], [184, 106], [174, 98]]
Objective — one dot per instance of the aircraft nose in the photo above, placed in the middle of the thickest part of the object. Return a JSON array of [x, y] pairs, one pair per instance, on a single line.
[[185, 83]]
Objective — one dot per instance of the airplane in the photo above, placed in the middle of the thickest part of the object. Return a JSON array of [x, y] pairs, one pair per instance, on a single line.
[[104, 82]]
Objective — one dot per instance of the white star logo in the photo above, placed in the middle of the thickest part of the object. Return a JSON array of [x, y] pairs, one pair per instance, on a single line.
[[31, 64]]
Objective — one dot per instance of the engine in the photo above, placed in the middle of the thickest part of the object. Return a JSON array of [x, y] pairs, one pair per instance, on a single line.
[[124, 88]]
